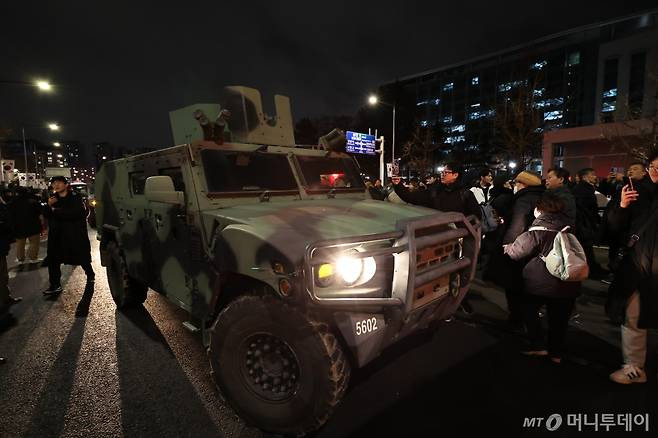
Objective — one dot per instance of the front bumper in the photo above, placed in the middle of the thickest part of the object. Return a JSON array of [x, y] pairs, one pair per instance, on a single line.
[[435, 259]]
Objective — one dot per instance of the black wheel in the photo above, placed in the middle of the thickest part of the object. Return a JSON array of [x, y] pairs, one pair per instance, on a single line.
[[280, 370], [126, 291]]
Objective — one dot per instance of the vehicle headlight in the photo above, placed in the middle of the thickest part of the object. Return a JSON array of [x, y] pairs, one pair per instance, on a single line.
[[351, 270]]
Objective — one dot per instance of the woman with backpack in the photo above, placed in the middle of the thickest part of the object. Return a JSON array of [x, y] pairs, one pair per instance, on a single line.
[[540, 286]]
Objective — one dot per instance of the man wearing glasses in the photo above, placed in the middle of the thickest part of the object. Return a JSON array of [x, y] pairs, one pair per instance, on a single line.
[[448, 195], [635, 285]]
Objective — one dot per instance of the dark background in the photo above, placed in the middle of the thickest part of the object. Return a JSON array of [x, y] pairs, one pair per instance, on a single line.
[[120, 67]]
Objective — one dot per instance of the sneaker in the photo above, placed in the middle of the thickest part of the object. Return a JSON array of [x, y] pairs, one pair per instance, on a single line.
[[629, 374], [53, 290], [535, 353]]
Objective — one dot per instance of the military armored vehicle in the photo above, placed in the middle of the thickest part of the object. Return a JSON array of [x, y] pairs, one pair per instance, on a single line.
[[292, 273]]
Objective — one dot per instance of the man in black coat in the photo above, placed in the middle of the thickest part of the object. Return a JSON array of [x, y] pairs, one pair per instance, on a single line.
[[636, 281], [449, 195], [68, 241], [587, 217]]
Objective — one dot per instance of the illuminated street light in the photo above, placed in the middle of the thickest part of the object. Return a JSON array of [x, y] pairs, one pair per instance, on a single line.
[[512, 165], [53, 126], [374, 100], [57, 144], [44, 86]]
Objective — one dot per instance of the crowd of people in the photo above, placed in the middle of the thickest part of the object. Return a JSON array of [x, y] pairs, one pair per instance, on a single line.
[[520, 219], [26, 215]]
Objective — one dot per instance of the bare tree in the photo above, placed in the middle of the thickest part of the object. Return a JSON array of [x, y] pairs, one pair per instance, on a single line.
[[633, 133], [518, 124], [419, 150]]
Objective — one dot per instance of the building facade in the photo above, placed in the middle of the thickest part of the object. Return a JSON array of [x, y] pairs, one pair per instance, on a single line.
[[595, 74]]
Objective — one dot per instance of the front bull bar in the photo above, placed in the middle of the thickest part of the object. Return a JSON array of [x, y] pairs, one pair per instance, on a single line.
[[405, 278]]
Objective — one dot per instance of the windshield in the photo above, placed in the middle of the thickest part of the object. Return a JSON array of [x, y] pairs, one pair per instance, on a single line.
[[327, 173], [230, 171]]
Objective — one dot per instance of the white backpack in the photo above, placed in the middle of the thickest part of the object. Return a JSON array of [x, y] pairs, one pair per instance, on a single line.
[[567, 260]]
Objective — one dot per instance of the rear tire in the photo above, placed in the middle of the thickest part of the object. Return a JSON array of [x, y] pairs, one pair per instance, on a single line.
[[126, 291], [280, 370]]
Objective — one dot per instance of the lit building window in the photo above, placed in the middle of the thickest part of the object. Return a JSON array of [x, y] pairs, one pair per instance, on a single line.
[[539, 65], [447, 119], [449, 86], [423, 123], [539, 92], [458, 128], [475, 80], [422, 102], [455, 139], [553, 115], [437, 101], [608, 107], [610, 93], [475, 105], [573, 58]]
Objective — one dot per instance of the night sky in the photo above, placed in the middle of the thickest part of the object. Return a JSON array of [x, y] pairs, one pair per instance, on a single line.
[[120, 67]]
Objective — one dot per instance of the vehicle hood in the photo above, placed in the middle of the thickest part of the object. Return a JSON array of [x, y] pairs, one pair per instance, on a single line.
[[292, 225]]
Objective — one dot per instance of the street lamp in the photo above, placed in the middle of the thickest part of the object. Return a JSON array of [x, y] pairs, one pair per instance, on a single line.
[[52, 126], [512, 165], [57, 144], [374, 100], [44, 86]]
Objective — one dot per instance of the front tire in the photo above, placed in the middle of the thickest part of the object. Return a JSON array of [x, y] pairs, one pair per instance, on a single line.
[[126, 291], [280, 370]]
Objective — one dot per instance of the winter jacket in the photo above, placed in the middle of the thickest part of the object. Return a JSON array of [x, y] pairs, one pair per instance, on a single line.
[[587, 213], [24, 214], [529, 246], [638, 271], [565, 194], [68, 241], [6, 237], [522, 214], [453, 197], [502, 200]]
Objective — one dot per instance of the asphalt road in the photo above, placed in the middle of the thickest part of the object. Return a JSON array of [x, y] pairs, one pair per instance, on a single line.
[[140, 373]]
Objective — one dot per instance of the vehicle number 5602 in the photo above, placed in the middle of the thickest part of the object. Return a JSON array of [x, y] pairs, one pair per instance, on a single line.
[[366, 326]]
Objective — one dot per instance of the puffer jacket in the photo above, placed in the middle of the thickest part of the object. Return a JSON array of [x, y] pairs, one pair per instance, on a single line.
[[529, 246]]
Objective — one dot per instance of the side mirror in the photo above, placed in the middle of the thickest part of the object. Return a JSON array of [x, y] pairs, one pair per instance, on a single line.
[[161, 189]]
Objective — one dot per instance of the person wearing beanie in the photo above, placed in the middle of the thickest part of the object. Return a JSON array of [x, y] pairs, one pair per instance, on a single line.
[[68, 241], [506, 272]]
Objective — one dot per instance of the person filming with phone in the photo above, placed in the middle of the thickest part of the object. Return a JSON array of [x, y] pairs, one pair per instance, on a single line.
[[633, 294], [68, 242]]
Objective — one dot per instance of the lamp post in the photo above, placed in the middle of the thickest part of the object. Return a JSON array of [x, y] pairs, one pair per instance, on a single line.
[[41, 85], [52, 126], [374, 100]]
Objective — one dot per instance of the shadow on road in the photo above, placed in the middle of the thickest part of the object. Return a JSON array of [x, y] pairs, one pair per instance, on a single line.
[[50, 412], [157, 398]]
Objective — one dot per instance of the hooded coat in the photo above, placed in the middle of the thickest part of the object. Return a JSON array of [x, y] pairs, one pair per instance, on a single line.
[[639, 269], [68, 241], [527, 249]]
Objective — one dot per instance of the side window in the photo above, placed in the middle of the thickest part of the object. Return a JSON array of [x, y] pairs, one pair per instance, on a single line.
[[176, 175], [137, 182]]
